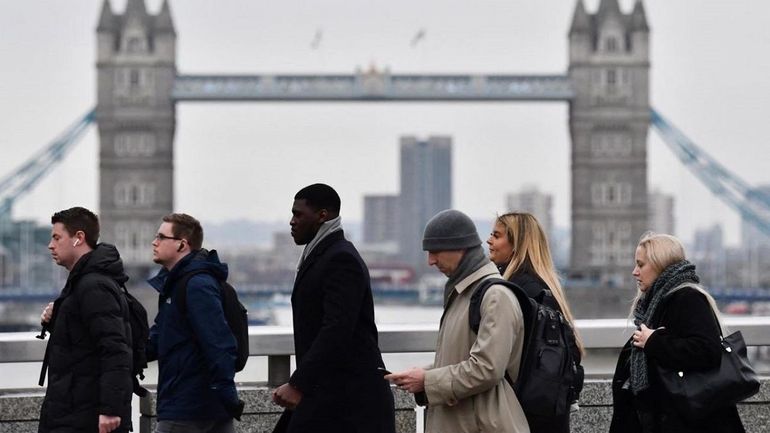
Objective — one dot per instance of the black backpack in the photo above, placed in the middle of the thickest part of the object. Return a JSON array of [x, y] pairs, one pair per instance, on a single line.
[[235, 314], [140, 333], [549, 379]]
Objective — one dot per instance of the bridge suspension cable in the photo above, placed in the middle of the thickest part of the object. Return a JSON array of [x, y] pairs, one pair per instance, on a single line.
[[751, 203], [24, 178]]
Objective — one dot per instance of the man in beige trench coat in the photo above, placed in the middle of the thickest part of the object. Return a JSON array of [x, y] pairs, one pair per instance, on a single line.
[[465, 387]]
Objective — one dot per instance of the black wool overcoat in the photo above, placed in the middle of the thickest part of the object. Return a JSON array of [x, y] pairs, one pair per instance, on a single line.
[[335, 339]]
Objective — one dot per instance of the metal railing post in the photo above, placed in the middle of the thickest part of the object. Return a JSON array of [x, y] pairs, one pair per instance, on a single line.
[[278, 369]]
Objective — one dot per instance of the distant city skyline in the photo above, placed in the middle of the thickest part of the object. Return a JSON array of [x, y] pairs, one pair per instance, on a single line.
[[233, 160]]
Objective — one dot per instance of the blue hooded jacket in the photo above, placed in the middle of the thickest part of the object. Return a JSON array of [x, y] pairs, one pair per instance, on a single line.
[[196, 352]]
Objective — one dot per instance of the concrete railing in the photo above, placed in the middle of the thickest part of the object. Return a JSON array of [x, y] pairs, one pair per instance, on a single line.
[[602, 339]]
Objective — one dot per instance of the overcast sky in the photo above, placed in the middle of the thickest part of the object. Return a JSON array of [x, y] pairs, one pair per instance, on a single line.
[[710, 69]]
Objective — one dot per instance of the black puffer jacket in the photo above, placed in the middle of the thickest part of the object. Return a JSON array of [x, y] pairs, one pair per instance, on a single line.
[[89, 354]]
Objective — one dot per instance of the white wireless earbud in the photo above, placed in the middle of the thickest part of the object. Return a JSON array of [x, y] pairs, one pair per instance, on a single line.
[[77, 241]]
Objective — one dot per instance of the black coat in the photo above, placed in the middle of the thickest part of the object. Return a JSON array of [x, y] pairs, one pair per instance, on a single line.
[[535, 288], [89, 354], [335, 340], [690, 341]]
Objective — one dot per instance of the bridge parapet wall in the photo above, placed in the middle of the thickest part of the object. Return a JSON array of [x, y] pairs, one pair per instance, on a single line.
[[19, 410]]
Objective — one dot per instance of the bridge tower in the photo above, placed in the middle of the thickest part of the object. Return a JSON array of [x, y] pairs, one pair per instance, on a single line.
[[609, 118], [136, 67]]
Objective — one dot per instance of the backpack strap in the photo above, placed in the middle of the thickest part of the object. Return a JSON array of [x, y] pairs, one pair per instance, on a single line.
[[546, 298], [525, 303], [180, 289], [44, 367], [474, 312], [46, 328]]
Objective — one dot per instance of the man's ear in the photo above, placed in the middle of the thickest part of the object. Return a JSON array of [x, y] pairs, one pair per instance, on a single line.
[[324, 214], [80, 237]]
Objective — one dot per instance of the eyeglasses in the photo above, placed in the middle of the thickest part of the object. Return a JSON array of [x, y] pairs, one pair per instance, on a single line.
[[161, 237]]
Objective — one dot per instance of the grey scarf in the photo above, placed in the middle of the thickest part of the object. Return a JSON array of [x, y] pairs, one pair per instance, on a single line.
[[327, 228], [671, 277], [472, 260]]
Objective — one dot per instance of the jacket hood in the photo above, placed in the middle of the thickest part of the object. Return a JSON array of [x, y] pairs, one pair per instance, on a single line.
[[104, 259], [199, 260]]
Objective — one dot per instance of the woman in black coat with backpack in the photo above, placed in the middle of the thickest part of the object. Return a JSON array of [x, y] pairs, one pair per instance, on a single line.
[[677, 328], [519, 247]]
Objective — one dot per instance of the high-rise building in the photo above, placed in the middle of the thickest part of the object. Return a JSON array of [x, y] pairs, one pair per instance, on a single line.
[[380, 219], [661, 212], [710, 255], [426, 189], [531, 200]]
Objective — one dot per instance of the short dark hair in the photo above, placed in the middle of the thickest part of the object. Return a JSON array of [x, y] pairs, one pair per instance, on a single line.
[[320, 196], [184, 226], [79, 219]]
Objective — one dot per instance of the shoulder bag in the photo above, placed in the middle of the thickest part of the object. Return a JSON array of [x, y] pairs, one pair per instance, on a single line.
[[696, 394]]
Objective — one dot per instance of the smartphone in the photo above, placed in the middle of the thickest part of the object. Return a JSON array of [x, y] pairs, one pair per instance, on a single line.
[[384, 371]]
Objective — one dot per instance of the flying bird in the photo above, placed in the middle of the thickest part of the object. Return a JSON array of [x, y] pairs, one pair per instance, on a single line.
[[316, 42], [419, 36]]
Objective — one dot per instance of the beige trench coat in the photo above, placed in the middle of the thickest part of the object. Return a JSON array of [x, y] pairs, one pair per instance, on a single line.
[[466, 386]]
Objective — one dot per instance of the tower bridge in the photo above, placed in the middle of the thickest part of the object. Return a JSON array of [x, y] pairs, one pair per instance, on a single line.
[[606, 87]]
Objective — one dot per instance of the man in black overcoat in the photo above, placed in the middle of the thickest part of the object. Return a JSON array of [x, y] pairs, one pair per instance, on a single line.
[[338, 385]]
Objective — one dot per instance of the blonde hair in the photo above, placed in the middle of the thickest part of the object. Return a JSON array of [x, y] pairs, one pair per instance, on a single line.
[[661, 250], [532, 254]]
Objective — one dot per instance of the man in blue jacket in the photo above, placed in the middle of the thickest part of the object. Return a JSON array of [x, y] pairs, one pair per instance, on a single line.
[[195, 349]]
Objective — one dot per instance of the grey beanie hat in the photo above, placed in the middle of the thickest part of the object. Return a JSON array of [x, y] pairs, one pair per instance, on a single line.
[[450, 230]]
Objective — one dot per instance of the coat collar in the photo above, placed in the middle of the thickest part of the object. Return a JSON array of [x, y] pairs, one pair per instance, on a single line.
[[487, 270], [318, 251]]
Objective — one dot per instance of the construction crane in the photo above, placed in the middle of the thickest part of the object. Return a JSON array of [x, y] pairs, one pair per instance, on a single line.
[[24, 178], [751, 203]]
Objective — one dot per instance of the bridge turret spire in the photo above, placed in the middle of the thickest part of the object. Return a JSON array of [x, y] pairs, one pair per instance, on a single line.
[[581, 23], [106, 18], [163, 22], [639, 18]]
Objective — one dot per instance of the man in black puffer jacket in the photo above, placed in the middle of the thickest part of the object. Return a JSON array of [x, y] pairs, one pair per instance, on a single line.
[[89, 356]]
